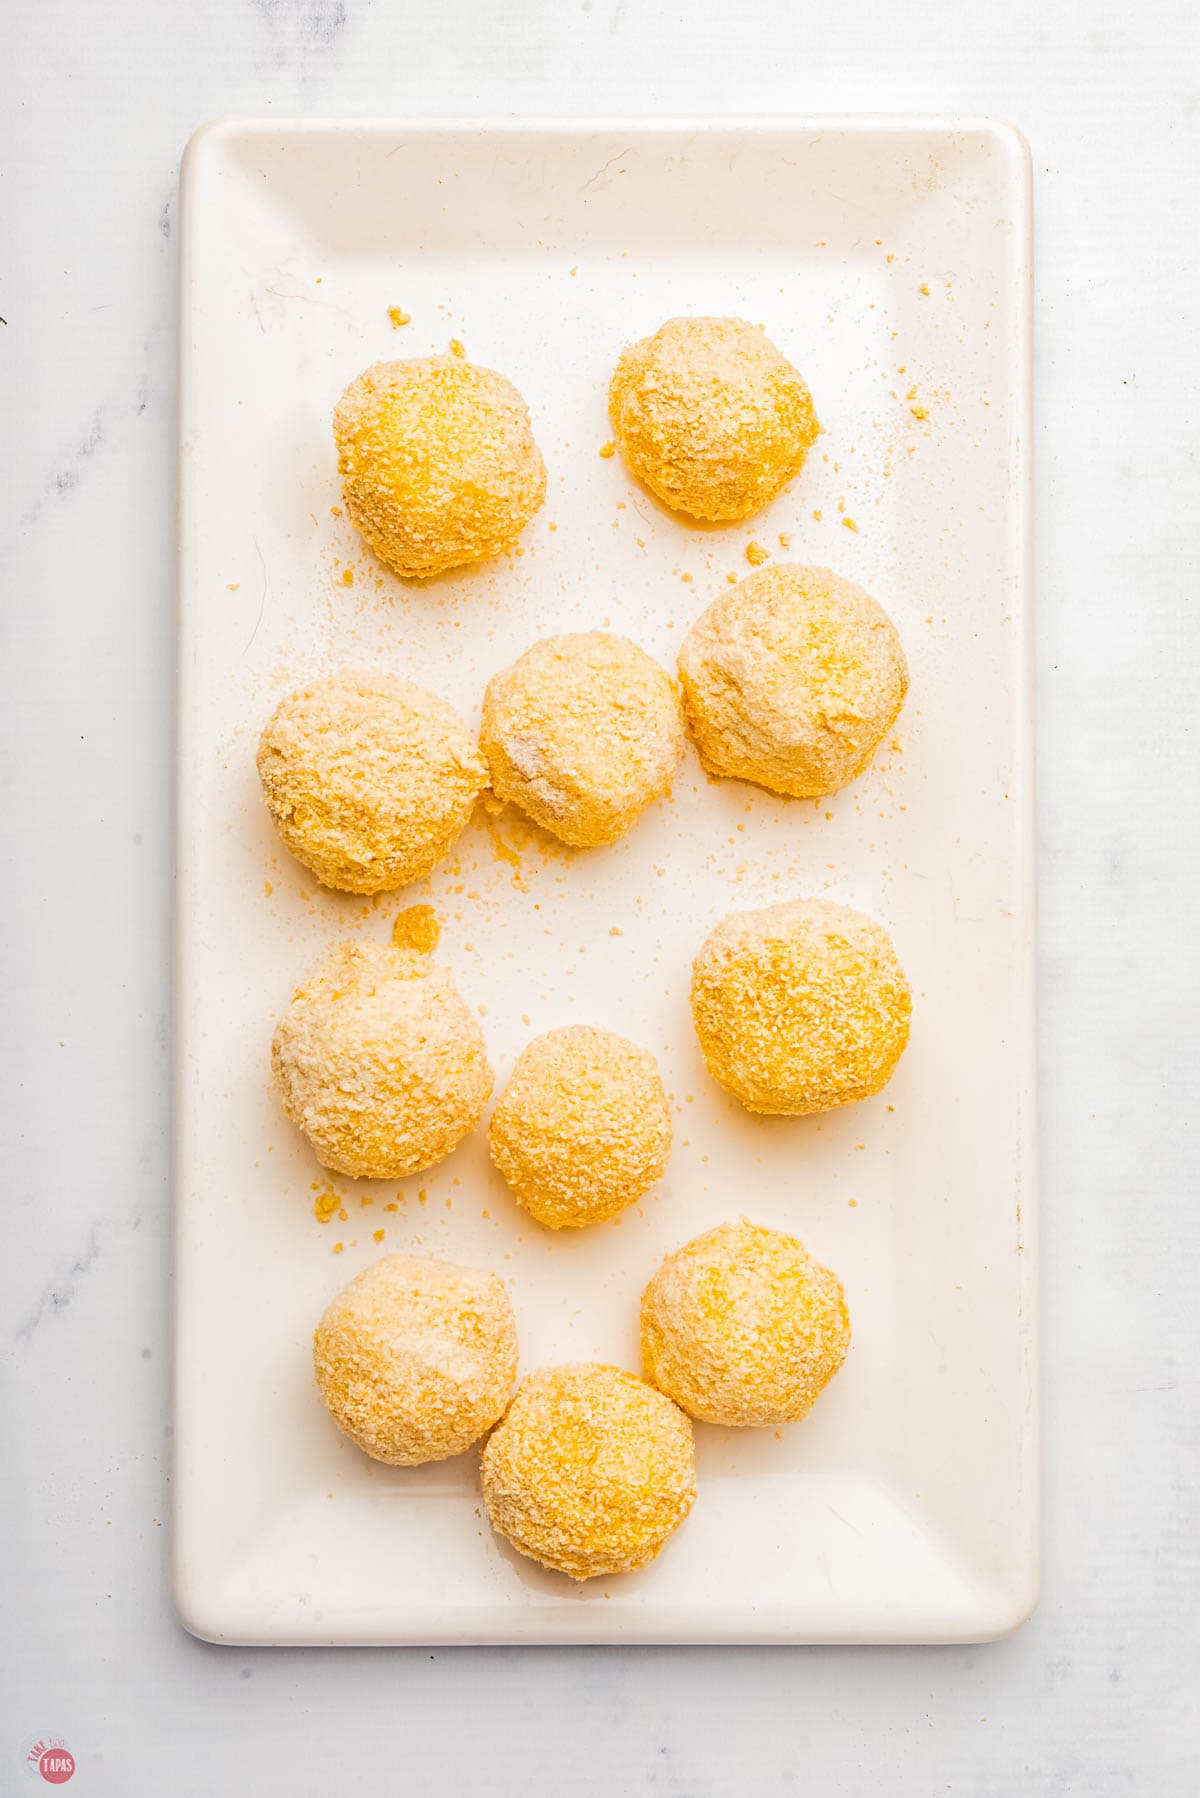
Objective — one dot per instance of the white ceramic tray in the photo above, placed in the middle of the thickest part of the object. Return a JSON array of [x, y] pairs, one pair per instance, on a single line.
[[891, 261]]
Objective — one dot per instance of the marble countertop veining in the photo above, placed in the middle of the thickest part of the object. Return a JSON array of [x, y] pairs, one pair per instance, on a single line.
[[97, 98]]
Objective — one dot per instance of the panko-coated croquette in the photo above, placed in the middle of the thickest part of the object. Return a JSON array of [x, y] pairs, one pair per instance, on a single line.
[[379, 1062], [711, 416], [742, 1326], [582, 732], [590, 1470], [800, 1007], [369, 779], [582, 1128], [791, 679], [438, 462], [416, 1358]]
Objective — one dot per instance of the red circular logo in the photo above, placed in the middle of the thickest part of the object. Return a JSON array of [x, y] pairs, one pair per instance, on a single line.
[[51, 1760]]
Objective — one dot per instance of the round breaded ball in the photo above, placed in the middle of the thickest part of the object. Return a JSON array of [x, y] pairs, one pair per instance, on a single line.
[[582, 732], [590, 1470], [369, 779], [438, 463], [742, 1326], [791, 679], [582, 1128], [800, 1007], [379, 1062], [711, 416], [416, 1358]]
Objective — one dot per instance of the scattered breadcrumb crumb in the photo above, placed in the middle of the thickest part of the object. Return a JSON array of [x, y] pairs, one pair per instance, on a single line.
[[417, 928], [607, 450], [457, 348], [399, 317], [324, 1206], [756, 555]]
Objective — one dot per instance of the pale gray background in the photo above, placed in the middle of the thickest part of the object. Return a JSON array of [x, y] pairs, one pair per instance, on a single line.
[[96, 100]]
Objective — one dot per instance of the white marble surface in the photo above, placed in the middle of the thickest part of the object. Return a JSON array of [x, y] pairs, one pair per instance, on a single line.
[[98, 98]]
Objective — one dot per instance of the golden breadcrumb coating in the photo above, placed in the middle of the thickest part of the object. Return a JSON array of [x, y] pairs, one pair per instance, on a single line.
[[379, 1062], [742, 1326], [582, 732], [417, 927], [800, 1007], [369, 779], [582, 1128], [416, 1358], [590, 1470], [438, 462], [711, 416], [791, 679]]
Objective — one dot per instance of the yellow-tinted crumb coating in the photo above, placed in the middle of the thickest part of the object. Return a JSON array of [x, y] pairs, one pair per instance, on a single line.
[[379, 1062], [582, 1128], [742, 1326], [791, 680], [711, 416], [416, 1358], [438, 462], [369, 779], [582, 732], [590, 1470], [800, 1007], [417, 928]]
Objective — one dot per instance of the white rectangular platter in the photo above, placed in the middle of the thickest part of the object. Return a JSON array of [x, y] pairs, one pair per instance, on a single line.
[[890, 259]]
